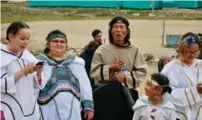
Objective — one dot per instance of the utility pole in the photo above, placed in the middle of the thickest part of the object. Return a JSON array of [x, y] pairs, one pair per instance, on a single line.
[[163, 31], [152, 6]]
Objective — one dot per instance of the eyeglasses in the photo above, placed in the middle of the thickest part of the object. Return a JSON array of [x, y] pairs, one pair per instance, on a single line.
[[59, 41], [193, 53]]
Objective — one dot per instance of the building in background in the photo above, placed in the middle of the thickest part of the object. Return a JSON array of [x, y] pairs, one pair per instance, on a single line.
[[150, 4]]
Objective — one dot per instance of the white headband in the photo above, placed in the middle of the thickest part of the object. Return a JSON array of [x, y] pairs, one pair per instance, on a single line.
[[154, 83]]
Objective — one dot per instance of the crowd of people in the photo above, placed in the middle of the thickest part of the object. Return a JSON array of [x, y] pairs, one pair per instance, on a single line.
[[100, 83]]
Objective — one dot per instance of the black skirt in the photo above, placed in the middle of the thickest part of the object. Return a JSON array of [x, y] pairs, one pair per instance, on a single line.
[[110, 102]]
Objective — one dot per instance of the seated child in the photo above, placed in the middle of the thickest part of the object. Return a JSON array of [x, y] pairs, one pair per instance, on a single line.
[[154, 105]]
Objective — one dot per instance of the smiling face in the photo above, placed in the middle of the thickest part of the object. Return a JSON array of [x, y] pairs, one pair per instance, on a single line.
[[119, 31], [191, 52], [58, 46], [189, 48], [20, 40], [149, 90], [152, 90]]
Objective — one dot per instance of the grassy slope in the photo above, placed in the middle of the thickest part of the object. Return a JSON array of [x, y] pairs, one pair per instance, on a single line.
[[21, 11]]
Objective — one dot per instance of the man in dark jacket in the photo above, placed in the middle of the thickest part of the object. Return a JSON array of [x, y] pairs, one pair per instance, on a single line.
[[89, 50], [200, 37]]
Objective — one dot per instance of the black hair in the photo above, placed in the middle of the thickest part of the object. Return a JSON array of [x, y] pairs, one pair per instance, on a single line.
[[92, 46], [15, 27], [125, 22], [200, 34], [96, 32], [47, 50], [162, 81]]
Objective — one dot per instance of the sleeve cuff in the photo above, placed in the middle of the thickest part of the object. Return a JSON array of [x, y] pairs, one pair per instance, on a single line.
[[129, 81], [38, 82], [105, 72], [197, 96], [88, 105]]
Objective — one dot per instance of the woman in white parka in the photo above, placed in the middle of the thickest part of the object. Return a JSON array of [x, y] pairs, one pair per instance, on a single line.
[[185, 76], [21, 78]]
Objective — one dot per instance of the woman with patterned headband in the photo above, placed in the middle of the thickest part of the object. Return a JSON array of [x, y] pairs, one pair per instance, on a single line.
[[185, 77], [68, 87], [155, 105]]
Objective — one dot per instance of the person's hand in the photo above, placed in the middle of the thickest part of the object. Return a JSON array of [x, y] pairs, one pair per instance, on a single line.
[[199, 88], [30, 68], [88, 115], [116, 65], [119, 76]]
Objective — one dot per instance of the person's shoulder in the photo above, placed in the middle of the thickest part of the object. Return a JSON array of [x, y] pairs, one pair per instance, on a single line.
[[169, 105], [142, 101], [3, 46], [173, 63], [77, 60], [103, 48], [42, 57], [27, 55], [134, 47], [170, 66], [199, 61]]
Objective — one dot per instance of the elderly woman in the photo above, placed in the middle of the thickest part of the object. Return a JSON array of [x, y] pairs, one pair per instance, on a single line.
[[68, 87], [21, 78], [185, 76]]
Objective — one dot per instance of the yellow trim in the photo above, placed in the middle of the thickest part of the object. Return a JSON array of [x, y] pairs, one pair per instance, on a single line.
[[190, 81], [198, 76], [182, 114], [196, 64], [192, 95], [199, 109], [187, 98]]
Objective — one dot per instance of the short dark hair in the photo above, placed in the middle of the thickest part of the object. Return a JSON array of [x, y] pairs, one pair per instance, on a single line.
[[96, 32], [200, 34], [125, 22], [161, 80], [92, 46], [15, 27]]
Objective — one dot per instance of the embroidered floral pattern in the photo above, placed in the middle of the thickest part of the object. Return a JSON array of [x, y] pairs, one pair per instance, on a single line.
[[189, 40]]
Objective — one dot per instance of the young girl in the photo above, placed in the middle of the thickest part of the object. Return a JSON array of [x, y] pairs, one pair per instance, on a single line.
[[21, 78], [155, 104]]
